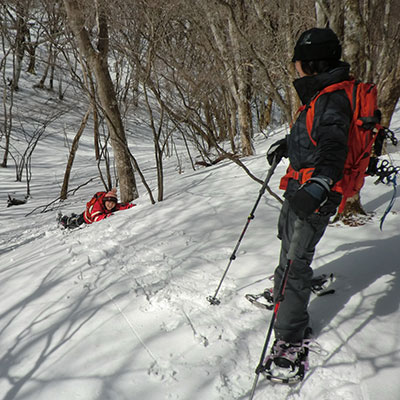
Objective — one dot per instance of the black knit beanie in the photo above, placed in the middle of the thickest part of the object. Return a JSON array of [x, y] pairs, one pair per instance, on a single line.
[[317, 44]]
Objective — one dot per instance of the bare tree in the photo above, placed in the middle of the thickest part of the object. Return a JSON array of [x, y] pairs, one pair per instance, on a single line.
[[212, 67], [7, 107], [97, 58], [33, 130], [371, 49], [19, 17], [71, 157], [224, 25]]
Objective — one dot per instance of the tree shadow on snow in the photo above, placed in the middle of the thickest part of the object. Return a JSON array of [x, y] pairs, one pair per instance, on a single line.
[[363, 264], [382, 200], [44, 326]]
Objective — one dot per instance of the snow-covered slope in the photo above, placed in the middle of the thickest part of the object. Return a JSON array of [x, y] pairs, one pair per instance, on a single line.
[[118, 310]]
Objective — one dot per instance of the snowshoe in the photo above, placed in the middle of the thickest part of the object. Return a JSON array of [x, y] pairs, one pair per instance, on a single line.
[[320, 283], [287, 363], [265, 300], [73, 222]]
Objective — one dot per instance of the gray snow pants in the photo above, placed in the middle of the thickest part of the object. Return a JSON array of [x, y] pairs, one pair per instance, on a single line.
[[292, 318]]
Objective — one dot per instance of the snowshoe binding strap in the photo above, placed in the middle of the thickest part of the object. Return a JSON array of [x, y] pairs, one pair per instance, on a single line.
[[319, 284], [265, 300], [298, 368], [294, 370], [262, 300]]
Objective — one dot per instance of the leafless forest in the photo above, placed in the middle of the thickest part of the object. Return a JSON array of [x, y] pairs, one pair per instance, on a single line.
[[212, 72]]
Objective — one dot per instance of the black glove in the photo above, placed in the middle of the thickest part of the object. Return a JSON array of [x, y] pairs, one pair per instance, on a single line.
[[310, 196], [277, 151]]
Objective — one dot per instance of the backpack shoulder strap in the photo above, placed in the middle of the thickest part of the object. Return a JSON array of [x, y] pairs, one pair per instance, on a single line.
[[99, 195], [96, 196], [350, 87], [89, 206]]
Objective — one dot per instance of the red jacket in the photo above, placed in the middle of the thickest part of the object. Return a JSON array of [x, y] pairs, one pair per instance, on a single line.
[[98, 211]]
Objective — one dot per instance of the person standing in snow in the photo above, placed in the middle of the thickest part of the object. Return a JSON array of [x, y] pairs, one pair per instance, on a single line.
[[317, 60], [102, 206]]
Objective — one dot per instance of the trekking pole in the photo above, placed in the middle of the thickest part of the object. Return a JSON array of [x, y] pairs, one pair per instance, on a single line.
[[278, 301], [213, 299]]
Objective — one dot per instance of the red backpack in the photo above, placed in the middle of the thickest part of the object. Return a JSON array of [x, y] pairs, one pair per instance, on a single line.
[[90, 204], [364, 128]]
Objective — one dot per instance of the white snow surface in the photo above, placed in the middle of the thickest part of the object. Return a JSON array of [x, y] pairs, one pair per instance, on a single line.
[[118, 310]]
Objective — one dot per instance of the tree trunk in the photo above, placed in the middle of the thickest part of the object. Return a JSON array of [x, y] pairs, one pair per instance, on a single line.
[[386, 61], [8, 94], [265, 113], [237, 77], [355, 39], [389, 92], [41, 84], [370, 48], [74, 148], [98, 61], [242, 93], [19, 47], [353, 213], [232, 122]]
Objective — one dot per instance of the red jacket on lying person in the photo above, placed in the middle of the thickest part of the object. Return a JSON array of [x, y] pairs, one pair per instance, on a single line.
[[103, 205]]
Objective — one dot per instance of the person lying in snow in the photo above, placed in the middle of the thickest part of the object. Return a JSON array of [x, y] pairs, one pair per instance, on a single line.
[[102, 205]]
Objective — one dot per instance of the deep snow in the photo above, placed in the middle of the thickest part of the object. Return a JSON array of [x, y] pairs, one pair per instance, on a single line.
[[118, 310]]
